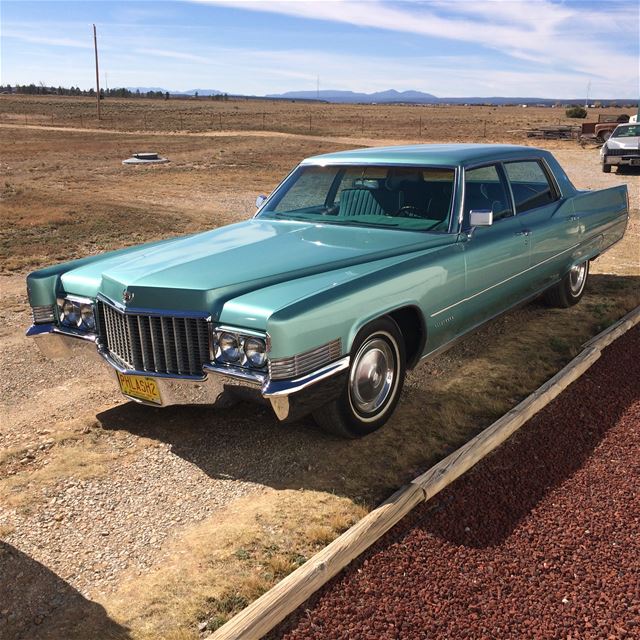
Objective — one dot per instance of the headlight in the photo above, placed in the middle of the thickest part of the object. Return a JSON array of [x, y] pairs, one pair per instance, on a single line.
[[256, 351], [87, 316], [76, 314], [242, 350], [229, 347]]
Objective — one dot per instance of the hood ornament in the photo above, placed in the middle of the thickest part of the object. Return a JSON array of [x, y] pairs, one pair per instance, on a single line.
[[127, 296]]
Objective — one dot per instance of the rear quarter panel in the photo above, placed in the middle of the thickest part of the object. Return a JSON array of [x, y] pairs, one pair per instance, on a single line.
[[604, 216]]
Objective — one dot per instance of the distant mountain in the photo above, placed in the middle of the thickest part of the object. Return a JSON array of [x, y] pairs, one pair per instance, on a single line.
[[190, 92], [419, 97], [386, 97], [329, 95], [201, 92]]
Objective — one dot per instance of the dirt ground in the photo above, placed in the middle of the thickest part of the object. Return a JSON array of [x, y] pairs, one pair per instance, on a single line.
[[133, 522]]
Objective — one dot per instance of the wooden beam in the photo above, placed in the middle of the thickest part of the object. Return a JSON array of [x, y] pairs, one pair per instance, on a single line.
[[286, 596]]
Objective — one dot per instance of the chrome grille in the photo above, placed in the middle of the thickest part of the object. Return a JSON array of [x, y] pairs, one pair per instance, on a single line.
[[155, 343], [298, 365], [622, 152], [43, 314]]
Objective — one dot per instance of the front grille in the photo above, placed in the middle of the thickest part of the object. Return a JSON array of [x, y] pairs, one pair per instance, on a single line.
[[155, 343], [298, 365], [622, 152], [43, 314]]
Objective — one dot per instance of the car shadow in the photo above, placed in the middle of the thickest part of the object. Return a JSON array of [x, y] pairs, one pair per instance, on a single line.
[[247, 442], [37, 603]]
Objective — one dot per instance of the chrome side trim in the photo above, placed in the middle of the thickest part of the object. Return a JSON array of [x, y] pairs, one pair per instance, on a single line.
[[306, 362], [43, 314], [493, 286], [278, 388]]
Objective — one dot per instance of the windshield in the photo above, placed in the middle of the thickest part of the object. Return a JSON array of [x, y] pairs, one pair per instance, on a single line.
[[407, 198], [627, 131]]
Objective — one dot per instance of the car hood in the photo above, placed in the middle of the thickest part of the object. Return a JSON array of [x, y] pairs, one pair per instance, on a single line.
[[199, 273], [623, 143]]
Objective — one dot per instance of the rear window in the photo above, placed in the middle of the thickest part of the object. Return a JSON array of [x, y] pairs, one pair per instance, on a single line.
[[530, 185]]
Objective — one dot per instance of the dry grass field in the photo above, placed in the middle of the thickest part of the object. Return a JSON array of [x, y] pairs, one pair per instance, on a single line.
[[399, 122], [120, 521]]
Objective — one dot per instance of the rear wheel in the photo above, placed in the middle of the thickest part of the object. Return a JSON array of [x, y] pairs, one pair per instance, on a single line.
[[570, 289], [606, 168], [374, 384]]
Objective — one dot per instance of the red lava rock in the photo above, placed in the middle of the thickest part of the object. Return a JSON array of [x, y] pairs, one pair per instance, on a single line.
[[539, 540]]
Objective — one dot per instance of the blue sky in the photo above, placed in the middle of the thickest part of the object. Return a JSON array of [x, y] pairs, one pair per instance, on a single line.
[[542, 48]]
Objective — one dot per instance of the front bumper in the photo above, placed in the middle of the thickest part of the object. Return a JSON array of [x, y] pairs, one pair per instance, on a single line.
[[290, 399], [629, 160]]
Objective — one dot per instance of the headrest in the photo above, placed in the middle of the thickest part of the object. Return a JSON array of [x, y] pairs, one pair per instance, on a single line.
[[400, 176]]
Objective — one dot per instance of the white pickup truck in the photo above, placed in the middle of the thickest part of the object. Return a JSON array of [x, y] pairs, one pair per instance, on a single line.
[[622, 149]]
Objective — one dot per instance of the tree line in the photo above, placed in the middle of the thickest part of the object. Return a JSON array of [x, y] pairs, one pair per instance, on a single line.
[[43, 90]]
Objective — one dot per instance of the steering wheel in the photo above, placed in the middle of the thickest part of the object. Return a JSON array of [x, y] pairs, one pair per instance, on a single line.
[[408, 211]]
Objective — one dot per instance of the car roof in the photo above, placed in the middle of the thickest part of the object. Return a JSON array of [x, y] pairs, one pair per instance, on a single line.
[[427, 154]]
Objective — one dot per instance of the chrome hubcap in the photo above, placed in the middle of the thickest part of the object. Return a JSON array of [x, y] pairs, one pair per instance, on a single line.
[[577, 278], [372, 376]]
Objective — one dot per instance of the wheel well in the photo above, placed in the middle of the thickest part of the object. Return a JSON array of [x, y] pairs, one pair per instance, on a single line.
[[411, 324]]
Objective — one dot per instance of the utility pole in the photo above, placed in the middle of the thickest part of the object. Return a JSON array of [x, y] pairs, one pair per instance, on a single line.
[[95, 47], [586, 104]]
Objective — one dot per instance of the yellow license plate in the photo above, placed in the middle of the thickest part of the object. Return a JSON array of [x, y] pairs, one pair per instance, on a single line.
[[140, 387]]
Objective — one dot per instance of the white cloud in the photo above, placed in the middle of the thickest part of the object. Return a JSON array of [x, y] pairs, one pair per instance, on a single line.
[[545, 32]]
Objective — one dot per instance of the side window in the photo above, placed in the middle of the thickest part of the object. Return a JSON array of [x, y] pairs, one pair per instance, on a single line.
[[530, 185], [486, 189]]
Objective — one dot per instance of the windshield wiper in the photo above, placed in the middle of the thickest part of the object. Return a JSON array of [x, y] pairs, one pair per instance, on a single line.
[[349, 222]]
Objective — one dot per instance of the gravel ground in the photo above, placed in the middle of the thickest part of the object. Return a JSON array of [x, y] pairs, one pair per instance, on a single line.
[[539, 541]]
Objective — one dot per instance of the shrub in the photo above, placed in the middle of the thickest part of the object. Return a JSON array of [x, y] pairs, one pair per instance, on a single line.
[[576, 112]]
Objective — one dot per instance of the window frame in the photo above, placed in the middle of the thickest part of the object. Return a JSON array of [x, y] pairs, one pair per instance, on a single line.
[[527, 158], [551, 181], [504, 181]]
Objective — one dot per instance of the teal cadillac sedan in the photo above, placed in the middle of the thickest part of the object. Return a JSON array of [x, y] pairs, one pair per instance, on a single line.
[[358, 267]]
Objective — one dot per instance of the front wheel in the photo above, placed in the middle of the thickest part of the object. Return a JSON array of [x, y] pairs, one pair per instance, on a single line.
[[374, 384], [570, 289], [606, 168]]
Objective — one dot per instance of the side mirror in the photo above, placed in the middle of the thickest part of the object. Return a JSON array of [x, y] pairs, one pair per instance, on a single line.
[[260, 201], [480, 218]]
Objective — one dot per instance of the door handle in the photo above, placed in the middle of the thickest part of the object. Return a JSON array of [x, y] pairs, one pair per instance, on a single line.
[[524, 232]]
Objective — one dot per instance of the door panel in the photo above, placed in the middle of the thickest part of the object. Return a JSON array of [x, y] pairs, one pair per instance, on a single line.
[[496, 257], [496, 261], [551, 222]]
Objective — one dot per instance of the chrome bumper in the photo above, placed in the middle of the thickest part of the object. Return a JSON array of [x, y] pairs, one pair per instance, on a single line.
[[626, 160], [220, 386]]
